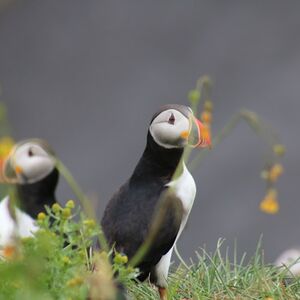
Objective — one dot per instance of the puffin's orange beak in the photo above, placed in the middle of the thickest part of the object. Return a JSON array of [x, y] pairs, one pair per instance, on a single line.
[[204, 135], [9, 173], [198, 135]]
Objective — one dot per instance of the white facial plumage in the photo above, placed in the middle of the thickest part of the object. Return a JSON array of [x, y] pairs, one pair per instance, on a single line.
[[167, 128], [30, 162]]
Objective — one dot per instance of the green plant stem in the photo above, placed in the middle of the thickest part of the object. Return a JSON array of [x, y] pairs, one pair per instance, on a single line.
[[82, 199], [180, 257], [251, 119]]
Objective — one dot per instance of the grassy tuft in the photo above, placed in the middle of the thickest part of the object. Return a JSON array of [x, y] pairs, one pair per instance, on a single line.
[[213, 276]]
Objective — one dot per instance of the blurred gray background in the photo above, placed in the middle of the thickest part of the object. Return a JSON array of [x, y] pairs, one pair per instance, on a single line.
[[88, 75]]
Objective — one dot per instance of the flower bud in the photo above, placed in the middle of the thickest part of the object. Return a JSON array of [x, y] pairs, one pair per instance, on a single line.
[[275, 172], [194, 96], [279, 149], [56, 208], [41, 216], [206, 117], [70, 204], [208, 105], [66, 213], [270, 204], [89, 223]]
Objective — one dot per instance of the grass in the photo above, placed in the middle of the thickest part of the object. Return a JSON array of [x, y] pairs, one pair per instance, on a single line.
[[43, 267], [215, 277]]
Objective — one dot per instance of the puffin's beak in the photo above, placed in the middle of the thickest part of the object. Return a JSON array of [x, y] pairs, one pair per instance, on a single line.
[[198, 135], [9, 172]]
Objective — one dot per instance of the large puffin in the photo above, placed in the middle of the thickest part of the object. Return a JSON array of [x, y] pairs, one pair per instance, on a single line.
[[129, 215], [31, 167]]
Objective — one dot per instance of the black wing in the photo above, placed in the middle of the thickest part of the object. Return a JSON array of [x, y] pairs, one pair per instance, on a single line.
[[134, 213]]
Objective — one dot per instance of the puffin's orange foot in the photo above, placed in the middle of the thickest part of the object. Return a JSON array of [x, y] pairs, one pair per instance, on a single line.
[[163, 294]]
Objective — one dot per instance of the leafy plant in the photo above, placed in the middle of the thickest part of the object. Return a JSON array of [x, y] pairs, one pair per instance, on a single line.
[[57, 262]]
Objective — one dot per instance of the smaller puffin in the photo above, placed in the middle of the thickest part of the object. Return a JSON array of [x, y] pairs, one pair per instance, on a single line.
[[31, 167], [290, 258], [128, 217]]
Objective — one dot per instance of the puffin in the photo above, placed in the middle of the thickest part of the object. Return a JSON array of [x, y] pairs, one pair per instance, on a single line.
[[129, 215], [31, 168], [290, 259]]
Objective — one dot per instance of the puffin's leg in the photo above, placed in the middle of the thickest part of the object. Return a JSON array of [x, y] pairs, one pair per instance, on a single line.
[[163, 293], [159, 274]]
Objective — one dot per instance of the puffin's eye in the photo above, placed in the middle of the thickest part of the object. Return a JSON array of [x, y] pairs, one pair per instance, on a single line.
[[172, 119], [30, 153]]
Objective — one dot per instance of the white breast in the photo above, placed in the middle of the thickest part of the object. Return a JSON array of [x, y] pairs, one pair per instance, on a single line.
[[24, 226], [185, 188]]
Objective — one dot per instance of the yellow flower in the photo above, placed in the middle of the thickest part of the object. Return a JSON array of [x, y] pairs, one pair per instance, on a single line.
[[124, 259], [270, 204], [279, 149], [194, 95], [89, 223], [56, 208], [275, 172], [6, 144], [70, 204], [75, 281], [66, 212], [206, 117], [120, 259], [41, 216], [208, 105], [206, 136], [66, 260]]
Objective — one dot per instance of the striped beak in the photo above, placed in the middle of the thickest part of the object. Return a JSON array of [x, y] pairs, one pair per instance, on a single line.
[[8, 172], [199, 134]]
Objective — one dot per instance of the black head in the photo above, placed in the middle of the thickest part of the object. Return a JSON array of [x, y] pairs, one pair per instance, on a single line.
[[31, 167]]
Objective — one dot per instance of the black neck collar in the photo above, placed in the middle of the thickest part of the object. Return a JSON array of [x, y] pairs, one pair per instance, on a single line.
[[158, 161], [33, 197]]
